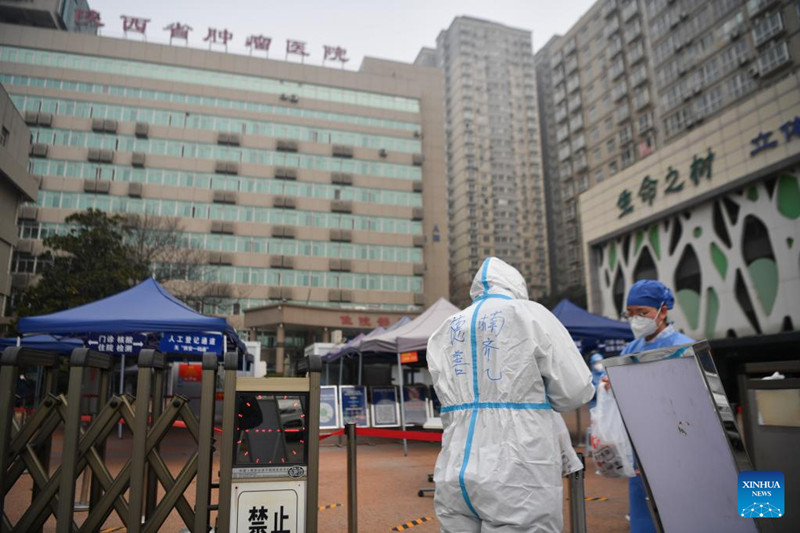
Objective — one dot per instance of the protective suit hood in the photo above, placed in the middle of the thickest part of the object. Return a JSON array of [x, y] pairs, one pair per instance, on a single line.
[[498, 277]]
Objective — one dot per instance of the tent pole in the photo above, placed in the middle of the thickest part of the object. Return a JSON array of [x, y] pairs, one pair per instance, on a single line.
[[121, 389], [402, 404], [360, 366], [339, 392], [328, 373]]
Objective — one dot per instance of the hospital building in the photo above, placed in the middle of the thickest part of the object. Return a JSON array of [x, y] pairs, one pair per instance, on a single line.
[[316, 191]]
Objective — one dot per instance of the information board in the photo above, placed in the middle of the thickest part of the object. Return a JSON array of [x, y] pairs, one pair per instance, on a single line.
[[329, 407], [415, 398], [385, 407], [674, 409], [184, 343], [353, 400]]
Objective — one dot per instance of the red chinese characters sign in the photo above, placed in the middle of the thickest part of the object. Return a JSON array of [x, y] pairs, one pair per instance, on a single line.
[[134, 24], [335, 53], [88, 17], [363, 321]]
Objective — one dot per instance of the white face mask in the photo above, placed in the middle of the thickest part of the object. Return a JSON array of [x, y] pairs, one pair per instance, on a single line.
[[643, 326], [598, 367]]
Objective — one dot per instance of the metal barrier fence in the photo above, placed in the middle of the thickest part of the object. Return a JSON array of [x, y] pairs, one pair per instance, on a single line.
[[26, 446]]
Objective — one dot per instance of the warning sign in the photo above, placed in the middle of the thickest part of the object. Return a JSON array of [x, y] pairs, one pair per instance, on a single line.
[[269, 507]]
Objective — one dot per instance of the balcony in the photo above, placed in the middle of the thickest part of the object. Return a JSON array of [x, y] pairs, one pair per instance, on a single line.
[[754, 7], [638, 76], [767, 28], [573, 84], [641, 100], [559, 95], [558, 76], [629, 11], [633, 31], [619, 90], [556, 59], [636, 53], [565, 172], [570, 46], [561, 114], [576, 123], [622, 114], [562, 133], [578, 143], [609, 8], [574, 103], [571, 65], [611, 28], [614, 48], [617, 69], [564, 152], [580, 161]]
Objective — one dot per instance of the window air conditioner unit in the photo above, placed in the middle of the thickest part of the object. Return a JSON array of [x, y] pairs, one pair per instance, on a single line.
[[382, 152], [45, 120], [135, 189], [138, 159], [142, 129], [754, 72], [743, 60]]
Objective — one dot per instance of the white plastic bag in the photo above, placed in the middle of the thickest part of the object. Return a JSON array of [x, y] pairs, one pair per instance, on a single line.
[[611, 449], [569, 459]]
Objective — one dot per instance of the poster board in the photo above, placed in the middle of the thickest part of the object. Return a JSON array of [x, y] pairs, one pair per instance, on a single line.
[[353, 401], [329, 407], [385, 408], [689, 449], [416, 399]]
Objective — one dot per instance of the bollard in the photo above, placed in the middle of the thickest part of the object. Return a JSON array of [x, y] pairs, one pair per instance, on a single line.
[[577, 499], [352, 508]]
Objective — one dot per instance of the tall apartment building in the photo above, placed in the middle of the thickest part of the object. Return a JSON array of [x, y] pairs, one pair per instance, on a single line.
[[631, 77], [495, 190], [298, 183]]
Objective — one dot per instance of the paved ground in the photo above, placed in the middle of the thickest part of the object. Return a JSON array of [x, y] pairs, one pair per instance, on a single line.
[[388, 483]]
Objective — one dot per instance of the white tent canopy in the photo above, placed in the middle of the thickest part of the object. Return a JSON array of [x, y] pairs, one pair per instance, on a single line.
[[415, 334]]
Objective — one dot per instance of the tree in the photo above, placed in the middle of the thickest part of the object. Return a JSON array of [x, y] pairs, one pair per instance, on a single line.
[[87, 264], [176, 262]]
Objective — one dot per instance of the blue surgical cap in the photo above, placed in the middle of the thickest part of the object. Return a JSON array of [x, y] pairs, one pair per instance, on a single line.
[[595, 358], [650, 293]]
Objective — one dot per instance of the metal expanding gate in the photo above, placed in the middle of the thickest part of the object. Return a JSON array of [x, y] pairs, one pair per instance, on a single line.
[[26, 447]]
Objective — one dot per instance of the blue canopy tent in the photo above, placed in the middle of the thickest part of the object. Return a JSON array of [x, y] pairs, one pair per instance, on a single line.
[[592, 331], [145, 308]]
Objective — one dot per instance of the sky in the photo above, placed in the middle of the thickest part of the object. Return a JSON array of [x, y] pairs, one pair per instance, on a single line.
[[387, 29]]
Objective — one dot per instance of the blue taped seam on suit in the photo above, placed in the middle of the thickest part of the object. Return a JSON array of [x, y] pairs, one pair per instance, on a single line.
[[475, 390], [498, 296], [497, 405], [476, 398]]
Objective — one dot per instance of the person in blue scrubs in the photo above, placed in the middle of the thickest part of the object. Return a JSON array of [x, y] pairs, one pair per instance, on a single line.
[[598, 373], [647, 306]]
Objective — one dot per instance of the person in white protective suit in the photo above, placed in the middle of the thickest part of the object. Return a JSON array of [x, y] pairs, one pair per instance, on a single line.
[[501, 367]]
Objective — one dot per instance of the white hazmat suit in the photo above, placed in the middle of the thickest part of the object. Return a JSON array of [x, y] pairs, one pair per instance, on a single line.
[[500, 367]]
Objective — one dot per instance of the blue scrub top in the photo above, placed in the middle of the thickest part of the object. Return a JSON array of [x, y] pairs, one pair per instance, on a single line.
[[641, 521]]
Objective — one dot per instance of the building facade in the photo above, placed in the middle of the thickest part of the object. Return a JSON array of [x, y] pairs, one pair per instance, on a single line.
[[632, 77], [16, 186], [293, 183], [716, 216], [495, 187]]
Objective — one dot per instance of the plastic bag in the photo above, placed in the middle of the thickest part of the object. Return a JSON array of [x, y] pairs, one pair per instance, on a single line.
[[611, 449], [569, 459]]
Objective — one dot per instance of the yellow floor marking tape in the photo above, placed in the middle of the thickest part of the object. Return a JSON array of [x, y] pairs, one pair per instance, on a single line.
[[412, 523], [331, 506]]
